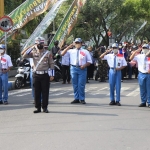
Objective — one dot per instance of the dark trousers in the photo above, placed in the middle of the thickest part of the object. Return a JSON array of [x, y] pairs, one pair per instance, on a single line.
[[66, 73], [90, 71], [41, 87]]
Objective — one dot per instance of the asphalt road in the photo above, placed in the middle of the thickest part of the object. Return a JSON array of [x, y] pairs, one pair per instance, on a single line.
[[94, 126]]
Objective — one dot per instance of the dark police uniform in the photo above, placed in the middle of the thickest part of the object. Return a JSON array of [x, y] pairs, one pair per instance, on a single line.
[[41, 76]]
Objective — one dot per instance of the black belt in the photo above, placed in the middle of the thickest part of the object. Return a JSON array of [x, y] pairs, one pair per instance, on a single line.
[[4, 69], [112, 68], [144, 73], [76, 66]]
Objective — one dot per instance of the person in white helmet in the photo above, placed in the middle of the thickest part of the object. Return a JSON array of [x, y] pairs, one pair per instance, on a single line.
[[116, 63], [5, 65], [144, 73]]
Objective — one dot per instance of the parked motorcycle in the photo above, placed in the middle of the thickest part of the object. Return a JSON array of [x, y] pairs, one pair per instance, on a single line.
[[23, 76]]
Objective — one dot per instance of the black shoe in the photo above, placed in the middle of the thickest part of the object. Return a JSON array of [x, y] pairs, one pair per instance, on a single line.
[[5, 103], [82, 102], [142, 105], [87, 81], [37, 111], [45, 110], [75, 101], [1, 102], [118, 104], [112, 103], [149, 105]]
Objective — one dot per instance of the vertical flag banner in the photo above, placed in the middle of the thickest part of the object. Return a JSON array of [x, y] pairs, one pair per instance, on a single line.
[[26, 12], [44, 23], [68, 23], [1, 8]]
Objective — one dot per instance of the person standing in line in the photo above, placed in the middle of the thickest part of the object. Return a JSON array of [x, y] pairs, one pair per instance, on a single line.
[[79, 60], [143, 61], [66, 68], [91, 67], [43, 68], [5, 66], [55, 49], [116, 63]]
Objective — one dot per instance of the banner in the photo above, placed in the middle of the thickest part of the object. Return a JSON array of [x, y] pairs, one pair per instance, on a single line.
[[26, 12], [44, 24], [68, 23]]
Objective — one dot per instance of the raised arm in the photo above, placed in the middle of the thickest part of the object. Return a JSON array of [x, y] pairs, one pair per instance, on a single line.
[[66, 49]]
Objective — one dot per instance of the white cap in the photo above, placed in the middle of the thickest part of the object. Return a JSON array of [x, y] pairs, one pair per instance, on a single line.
[[114, 45], [39, 40], [145, 46]]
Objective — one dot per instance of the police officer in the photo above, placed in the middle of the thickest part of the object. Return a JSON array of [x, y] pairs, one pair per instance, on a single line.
[[116, 63], [144, 73], [79, 60], [5, 65], [43, 68]]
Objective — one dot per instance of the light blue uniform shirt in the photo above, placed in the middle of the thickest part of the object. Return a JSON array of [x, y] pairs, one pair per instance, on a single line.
[[65, 59]]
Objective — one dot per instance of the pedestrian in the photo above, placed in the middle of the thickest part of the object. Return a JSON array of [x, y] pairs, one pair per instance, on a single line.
[[55, 49], [79, 60], [66, 68], [144, 73], [116, 63], [43, 68], [5, 66]]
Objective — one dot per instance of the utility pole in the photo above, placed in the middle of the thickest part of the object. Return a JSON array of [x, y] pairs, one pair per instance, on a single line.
[[1, 8]]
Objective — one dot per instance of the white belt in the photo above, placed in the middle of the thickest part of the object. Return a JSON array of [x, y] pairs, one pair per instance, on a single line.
[[41, 72]]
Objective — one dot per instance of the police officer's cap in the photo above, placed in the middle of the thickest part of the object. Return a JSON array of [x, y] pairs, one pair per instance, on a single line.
[[114, 45], [145, 46], [78, 40], [2, 46], [39, 40]]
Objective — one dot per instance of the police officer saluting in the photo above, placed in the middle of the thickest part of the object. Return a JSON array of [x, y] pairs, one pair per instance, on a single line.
[[116, 63], [144, 73], [79, 59], [43, 68]]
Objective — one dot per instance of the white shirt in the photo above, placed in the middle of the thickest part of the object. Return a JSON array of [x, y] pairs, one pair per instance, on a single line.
[[120, 60], [84, 56], [143, 64], [5, 61], [65, 59]]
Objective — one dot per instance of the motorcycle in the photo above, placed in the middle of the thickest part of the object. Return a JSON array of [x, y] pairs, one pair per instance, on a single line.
[[58, 69], [23, 76]]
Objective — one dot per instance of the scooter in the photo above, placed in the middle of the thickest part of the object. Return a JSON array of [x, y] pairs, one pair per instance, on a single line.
[[23, 76]]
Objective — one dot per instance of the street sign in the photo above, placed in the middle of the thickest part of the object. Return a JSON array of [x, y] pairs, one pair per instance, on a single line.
[[6, 23]]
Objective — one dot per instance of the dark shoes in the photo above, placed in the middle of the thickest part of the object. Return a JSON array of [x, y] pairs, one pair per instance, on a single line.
[[112, 103], [5, 103], [45, 110], [37, 111], [142, 105], [75, 101], [64, 83], [1, 102], [82, 102], [118, 104]]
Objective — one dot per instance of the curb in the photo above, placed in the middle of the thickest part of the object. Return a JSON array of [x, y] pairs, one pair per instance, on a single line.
[[11, 85]]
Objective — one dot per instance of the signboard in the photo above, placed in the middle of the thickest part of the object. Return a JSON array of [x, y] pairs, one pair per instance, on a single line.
[[6, 23]]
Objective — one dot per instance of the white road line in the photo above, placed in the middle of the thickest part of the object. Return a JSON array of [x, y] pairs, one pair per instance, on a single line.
[[20, 91], [134, 93], [98, 91]]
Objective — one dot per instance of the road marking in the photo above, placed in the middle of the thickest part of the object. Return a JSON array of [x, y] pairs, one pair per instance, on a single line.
[[20, 91], [134, 93]]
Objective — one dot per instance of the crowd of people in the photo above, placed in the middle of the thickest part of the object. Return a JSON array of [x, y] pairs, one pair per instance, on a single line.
[[79, 65]]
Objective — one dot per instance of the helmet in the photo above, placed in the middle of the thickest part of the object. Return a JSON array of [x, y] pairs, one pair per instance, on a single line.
[[145, 46], [114, 45], [39, 40], [2, 46]]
